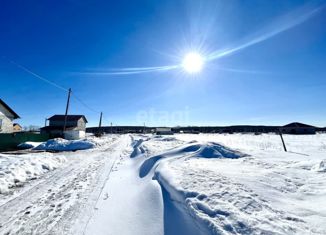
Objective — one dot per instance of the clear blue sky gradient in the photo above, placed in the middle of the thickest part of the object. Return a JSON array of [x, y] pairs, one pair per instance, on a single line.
[[273, 82]]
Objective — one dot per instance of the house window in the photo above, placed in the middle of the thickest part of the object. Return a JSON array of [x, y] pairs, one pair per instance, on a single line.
[[0, 124]]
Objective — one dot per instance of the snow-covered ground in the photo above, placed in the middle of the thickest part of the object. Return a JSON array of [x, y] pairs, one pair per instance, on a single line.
[[17, 169], [181, 184], [268, 191]]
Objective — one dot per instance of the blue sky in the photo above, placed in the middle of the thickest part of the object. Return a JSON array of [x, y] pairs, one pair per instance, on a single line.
[[77, 44]]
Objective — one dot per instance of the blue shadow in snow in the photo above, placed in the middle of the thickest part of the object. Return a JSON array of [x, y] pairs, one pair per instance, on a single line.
[[176, 221]]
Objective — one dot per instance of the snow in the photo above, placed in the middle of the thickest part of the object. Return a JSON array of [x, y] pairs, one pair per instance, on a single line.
[[59, 144], [267, 191], [17, 169], [182, 184], [127, 204], [320, 167], [28, 145]]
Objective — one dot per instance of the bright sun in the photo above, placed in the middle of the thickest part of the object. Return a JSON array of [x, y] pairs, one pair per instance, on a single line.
[[193, 62]]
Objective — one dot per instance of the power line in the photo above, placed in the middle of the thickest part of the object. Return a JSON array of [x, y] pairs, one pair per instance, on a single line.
[[38, 76], [54, 84], [84, 104]]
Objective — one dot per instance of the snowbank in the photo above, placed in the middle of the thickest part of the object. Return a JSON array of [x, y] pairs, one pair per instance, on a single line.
[[59, 144], [268, 192], [28, 145], [189, 150], [17, 169]]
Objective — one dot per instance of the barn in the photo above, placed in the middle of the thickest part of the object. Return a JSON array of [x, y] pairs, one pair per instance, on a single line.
[[298, 128]]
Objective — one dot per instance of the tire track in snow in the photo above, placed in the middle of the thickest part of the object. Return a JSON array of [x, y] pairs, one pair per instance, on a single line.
[[133, 206], [52, 205]]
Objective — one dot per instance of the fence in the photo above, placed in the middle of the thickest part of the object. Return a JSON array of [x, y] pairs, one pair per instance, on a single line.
[[9, 141]]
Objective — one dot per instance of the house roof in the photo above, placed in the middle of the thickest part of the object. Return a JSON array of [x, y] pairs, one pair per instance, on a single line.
[[298, 124], [69, 118], [9, 109]]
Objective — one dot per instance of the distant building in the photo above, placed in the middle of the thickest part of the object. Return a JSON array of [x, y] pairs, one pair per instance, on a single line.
[[17, 127], [298, 128], [164, 131], [7, 115], [75, 126]]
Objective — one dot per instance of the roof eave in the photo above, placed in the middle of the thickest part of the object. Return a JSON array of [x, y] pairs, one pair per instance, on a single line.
[[16, 116]]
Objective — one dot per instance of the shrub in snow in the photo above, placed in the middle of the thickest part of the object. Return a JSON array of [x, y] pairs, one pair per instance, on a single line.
[[59, 144]]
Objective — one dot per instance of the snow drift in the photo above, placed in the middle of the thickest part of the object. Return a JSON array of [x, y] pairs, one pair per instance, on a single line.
[[17, 169], [268, 192], [59, 144], [320, 167], [28, 145], [192, 149]]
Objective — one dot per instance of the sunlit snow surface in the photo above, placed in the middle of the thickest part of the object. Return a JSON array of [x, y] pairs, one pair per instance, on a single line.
[[180, 184], [268, 191]]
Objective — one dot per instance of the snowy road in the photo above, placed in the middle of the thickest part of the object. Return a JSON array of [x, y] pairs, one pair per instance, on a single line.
[[98, 192], [133, 204], [57, 202]]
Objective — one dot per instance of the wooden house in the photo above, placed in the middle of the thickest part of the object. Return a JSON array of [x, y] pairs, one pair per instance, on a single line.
[[75, 126]]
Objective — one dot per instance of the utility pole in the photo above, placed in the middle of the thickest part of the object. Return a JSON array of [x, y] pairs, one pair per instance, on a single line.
[[111, 129], [100, 125], [284, 147], [144, 130], [67, 107], [45, 121]]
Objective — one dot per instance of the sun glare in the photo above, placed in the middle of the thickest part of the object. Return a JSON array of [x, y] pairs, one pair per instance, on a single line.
[[193, 62]]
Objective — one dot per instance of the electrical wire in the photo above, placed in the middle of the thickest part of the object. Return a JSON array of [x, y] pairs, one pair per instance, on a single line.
[[35, 75]]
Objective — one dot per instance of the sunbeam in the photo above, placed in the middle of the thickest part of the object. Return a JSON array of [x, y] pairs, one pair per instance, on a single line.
[[192, 60], [129, 71], [276, 27]]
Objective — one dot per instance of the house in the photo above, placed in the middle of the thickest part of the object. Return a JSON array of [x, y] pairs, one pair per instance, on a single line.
[[75, 126], [164, 131], [298, 128], [17, 127], [7, 115]]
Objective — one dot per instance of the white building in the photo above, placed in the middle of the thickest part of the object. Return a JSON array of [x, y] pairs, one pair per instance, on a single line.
[[7, 115], [164, 131]]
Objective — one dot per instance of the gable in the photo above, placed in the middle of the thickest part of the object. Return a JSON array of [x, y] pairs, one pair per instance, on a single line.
[[5, 110]]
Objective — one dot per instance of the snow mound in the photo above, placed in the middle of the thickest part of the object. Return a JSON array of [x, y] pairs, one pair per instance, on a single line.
[[138, 149], [59, 144], [28, 145], [320, 167], [15, 170], [192, 149], [214, 150]]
